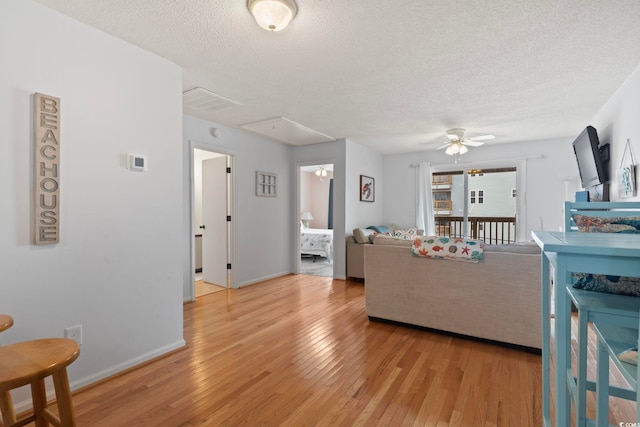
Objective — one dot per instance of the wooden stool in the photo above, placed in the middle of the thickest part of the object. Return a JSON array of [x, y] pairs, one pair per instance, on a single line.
[[31, 362], [5, 322], [6, 406]]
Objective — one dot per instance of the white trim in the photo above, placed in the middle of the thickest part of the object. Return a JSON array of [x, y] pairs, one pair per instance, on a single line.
[[482, 164], [83, 382], [263, 278]]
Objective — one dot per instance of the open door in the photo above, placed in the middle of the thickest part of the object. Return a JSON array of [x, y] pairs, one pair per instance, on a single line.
[[315, 210], [214, 221]]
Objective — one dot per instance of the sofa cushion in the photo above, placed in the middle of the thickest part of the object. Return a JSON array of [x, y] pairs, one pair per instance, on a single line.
[[515, 248], [608, 284], [602, 283], [362, 235], [379, 228], [451, 248], [600, 224], [408, 234], [383, 239]]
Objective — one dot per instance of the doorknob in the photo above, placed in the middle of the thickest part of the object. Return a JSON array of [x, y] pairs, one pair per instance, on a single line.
[[202, 226]]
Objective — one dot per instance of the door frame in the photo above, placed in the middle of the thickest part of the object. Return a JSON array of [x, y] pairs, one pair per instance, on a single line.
[[296, 233], [232, 205]]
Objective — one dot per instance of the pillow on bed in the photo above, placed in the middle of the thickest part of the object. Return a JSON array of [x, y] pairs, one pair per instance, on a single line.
[[602, 224], [609, 284]]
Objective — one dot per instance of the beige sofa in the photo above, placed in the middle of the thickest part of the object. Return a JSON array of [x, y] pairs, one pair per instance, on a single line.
[[496, 299], [355, 251]]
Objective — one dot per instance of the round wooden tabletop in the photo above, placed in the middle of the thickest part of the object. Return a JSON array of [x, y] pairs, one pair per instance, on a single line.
[[5, 322], [21, 363]]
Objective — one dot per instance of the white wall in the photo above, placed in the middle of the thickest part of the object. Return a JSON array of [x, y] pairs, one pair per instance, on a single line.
[[545, 177], [262, 225], [363, 161], [617, 121], [117, 268]]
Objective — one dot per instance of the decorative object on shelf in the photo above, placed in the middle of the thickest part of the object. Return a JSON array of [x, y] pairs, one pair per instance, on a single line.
[[626, 175], [273, 15], [367, 189], [266, 184], [306, 217]]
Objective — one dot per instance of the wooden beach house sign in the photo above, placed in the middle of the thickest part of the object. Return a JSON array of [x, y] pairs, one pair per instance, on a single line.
[[47, 169]]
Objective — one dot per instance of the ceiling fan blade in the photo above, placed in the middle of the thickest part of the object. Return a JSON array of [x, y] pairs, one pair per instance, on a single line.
[[435, 144], [443, 146], [472, 143], [482, 138]]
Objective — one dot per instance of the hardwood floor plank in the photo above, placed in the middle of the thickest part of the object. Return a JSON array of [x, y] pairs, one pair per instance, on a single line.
[[300, 350]]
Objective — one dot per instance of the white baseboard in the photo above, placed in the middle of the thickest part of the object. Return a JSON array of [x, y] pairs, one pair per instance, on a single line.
[[28, 404], [262, 279]]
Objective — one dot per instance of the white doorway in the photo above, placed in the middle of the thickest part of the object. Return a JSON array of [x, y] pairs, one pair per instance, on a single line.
[[315, 210], [211, 226]]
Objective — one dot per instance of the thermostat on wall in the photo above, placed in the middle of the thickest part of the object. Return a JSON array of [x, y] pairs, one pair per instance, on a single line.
[[136, 163]]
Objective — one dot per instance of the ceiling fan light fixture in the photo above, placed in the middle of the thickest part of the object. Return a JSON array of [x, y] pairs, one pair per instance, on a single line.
[[273, 15], [456, 147]]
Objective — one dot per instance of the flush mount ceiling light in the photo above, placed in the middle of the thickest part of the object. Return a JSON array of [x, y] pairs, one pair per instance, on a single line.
[[273, 15]]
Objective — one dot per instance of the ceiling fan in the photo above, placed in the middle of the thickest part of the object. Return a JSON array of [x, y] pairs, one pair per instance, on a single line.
[[456, 142]]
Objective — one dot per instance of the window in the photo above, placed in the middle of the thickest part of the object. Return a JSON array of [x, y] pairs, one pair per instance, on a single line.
[[472, 196], [469, 213]]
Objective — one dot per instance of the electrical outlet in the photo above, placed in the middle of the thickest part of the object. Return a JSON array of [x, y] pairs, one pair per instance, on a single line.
[[74, 333]]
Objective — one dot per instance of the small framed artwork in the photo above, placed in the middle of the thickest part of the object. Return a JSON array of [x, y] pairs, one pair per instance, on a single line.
[[266, 185], [367, 189]]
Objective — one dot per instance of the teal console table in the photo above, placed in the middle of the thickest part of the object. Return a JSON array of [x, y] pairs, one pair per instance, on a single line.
[[599, 253]]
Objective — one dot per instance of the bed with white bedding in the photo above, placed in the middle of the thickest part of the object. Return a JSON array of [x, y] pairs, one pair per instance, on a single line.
[[315, 241]]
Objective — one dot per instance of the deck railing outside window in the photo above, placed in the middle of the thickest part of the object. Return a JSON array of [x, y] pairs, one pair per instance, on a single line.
[[441, 205], [492, 230]]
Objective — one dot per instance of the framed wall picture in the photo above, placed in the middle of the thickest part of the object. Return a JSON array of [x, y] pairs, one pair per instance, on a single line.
[[266, 184], [626, 174], [367, 189]]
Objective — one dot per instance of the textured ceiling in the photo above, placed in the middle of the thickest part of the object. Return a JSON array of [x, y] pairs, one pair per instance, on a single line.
[[391, 75]]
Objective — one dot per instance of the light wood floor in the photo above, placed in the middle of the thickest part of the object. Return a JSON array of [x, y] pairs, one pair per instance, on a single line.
[[204, 288], [300, 351]]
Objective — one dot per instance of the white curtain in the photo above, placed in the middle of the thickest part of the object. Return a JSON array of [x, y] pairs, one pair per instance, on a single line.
[[424, 214]]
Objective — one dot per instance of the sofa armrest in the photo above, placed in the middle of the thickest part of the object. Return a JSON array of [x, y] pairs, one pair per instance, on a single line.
[[355, 258]]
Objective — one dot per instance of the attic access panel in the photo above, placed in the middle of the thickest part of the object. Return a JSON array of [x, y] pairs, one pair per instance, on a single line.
[[288, 131]]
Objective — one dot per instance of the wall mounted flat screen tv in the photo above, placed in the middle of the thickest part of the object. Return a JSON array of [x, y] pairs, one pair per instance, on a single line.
[[590, 164]]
